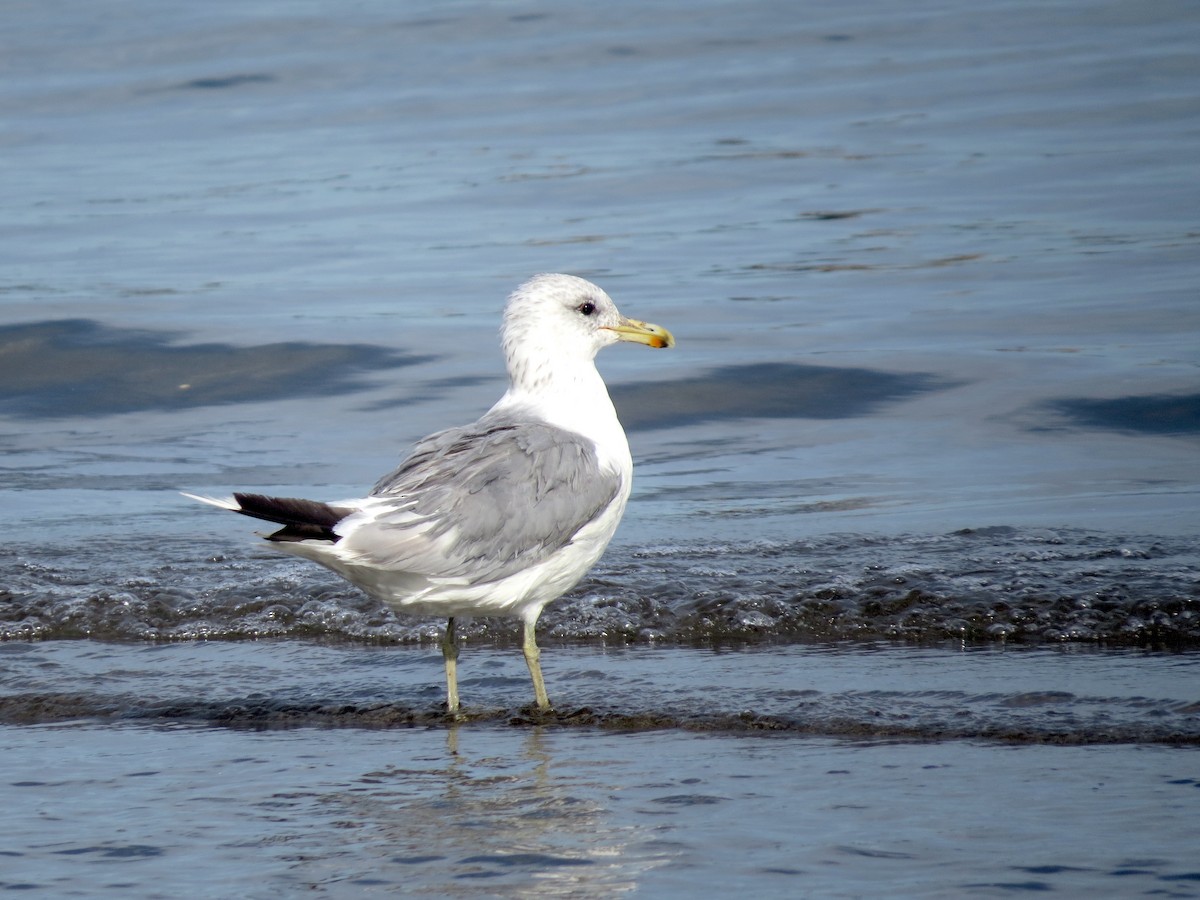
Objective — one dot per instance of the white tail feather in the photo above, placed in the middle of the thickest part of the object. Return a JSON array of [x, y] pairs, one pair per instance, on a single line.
[[229, 503]]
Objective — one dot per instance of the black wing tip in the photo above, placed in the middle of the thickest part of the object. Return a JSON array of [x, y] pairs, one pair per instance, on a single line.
[[303, 520], [294, 534]]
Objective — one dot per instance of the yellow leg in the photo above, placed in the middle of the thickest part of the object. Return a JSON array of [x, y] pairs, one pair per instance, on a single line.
[[533, 658], [450, 655]]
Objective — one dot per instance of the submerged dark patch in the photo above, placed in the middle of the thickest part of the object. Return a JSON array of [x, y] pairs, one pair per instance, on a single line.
[[767, 390], [1149, 414], [78, 367], [226, 81]]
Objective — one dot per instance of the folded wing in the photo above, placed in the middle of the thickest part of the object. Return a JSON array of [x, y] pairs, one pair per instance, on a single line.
[[480, 502]]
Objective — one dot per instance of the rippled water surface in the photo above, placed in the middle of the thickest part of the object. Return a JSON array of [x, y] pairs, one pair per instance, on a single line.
[[509, 812], [907, 598]]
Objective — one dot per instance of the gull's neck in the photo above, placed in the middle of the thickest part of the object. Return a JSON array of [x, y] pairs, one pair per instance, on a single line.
[[569, 394]]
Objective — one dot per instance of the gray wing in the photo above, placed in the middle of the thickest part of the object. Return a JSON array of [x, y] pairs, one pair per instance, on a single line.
[[484, 501]]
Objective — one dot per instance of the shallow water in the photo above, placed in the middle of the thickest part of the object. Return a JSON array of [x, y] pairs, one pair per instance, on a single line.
[[507, 812], [907, 597], [1060, 695]]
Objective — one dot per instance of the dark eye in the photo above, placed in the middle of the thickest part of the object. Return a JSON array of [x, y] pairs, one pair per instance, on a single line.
[[587, 307]]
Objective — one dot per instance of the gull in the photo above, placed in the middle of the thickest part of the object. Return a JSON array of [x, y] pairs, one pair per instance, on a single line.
[[502, 516]]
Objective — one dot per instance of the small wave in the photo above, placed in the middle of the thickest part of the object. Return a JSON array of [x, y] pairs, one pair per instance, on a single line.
[[980, 586], [850, 716]]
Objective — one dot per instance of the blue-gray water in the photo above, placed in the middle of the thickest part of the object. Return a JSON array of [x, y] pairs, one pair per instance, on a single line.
[[907, 599]]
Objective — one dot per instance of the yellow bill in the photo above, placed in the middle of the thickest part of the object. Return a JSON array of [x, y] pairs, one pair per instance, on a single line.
[[643, 333]]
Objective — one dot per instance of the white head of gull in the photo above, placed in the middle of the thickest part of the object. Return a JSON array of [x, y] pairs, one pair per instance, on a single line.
[[502, 516]]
